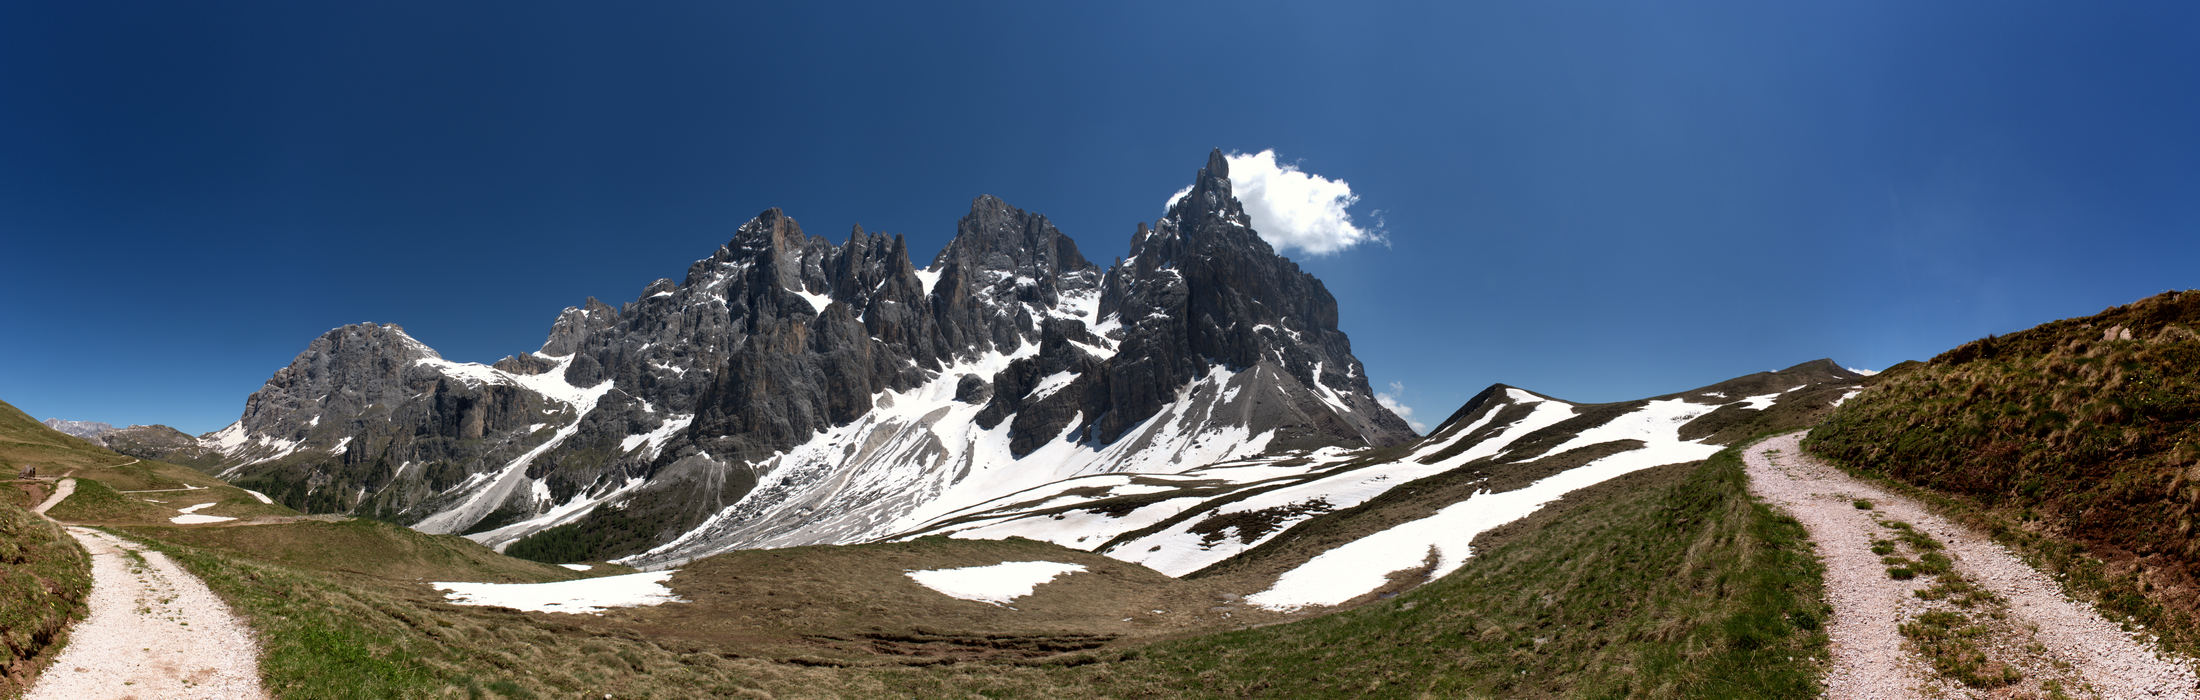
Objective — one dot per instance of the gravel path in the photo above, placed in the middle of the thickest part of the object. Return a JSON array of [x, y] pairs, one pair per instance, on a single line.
[[1869, 659], [154, 632], [61, 492]]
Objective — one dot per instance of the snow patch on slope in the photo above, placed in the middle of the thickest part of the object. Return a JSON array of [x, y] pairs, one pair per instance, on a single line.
[[920, 454], [1360, 567], [479, 503], [580, 505], [588, 595], [655, 439], [190, 516], [998, 584], [1178, 550]]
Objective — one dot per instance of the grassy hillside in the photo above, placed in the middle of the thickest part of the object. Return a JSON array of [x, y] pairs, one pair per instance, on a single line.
[[359, 547], [26, 442], [1669, 582], [1665, 583], [112, 488], [44, 578], [2078, 439]]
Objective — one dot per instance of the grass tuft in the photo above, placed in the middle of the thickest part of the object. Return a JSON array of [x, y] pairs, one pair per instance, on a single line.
[[1950, 643]]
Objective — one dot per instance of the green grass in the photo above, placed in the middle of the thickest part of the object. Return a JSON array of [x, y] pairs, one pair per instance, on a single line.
[[1670, 582], [26, 442], [1949, 641], [44, 579], [1673, 583], [331, 637], [95, 502], [1958, 592], [360, 547]]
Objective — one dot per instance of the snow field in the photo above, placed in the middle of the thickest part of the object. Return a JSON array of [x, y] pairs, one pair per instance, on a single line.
[[1363, 565], [588, 595], [190, 516], [997, 584]]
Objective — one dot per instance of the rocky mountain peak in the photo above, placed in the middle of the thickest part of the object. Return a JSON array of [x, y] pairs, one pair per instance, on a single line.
[[1202, 287], [371, 340], [576, 323], [346, 371], [1001, 273], [997, 237], [771, 229], [790, 390]]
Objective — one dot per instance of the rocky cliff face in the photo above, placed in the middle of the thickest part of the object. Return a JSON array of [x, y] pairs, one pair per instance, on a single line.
[[789, 390]]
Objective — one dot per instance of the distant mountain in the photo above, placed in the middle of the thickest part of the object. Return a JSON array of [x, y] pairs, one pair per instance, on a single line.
[[791, 391], [89, 430], [157, 442]]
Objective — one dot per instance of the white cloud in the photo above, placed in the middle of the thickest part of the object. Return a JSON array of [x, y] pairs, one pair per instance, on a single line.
[[1389, 400], [1295, 209]]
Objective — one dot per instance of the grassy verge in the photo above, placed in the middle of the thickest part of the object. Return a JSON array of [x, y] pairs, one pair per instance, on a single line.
[[44, 578]]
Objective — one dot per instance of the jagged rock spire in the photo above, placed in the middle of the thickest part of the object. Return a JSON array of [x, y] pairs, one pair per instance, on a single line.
[[705, 389]]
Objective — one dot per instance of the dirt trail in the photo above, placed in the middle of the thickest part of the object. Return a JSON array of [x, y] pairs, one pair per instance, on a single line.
[[60, 493], [2027, 624], [154, 632]]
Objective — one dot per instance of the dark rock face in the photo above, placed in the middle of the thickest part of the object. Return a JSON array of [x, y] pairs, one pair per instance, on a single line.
[[1201, 289], [673, 408], [334, 430]]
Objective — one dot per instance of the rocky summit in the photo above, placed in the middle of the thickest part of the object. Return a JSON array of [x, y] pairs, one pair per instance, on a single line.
[[789, 390]]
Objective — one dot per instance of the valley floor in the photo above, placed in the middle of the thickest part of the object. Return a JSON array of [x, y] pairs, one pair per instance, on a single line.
[[154, 631], [1924, 607]]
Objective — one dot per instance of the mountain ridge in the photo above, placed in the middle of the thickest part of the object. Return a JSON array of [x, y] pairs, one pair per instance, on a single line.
[[680, 404]]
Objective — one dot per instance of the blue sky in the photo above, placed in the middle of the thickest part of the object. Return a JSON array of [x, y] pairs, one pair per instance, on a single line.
[[1599, 201]]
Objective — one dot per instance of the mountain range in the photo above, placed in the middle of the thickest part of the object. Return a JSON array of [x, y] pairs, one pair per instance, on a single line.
[[790, 391], [1188, 403]]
